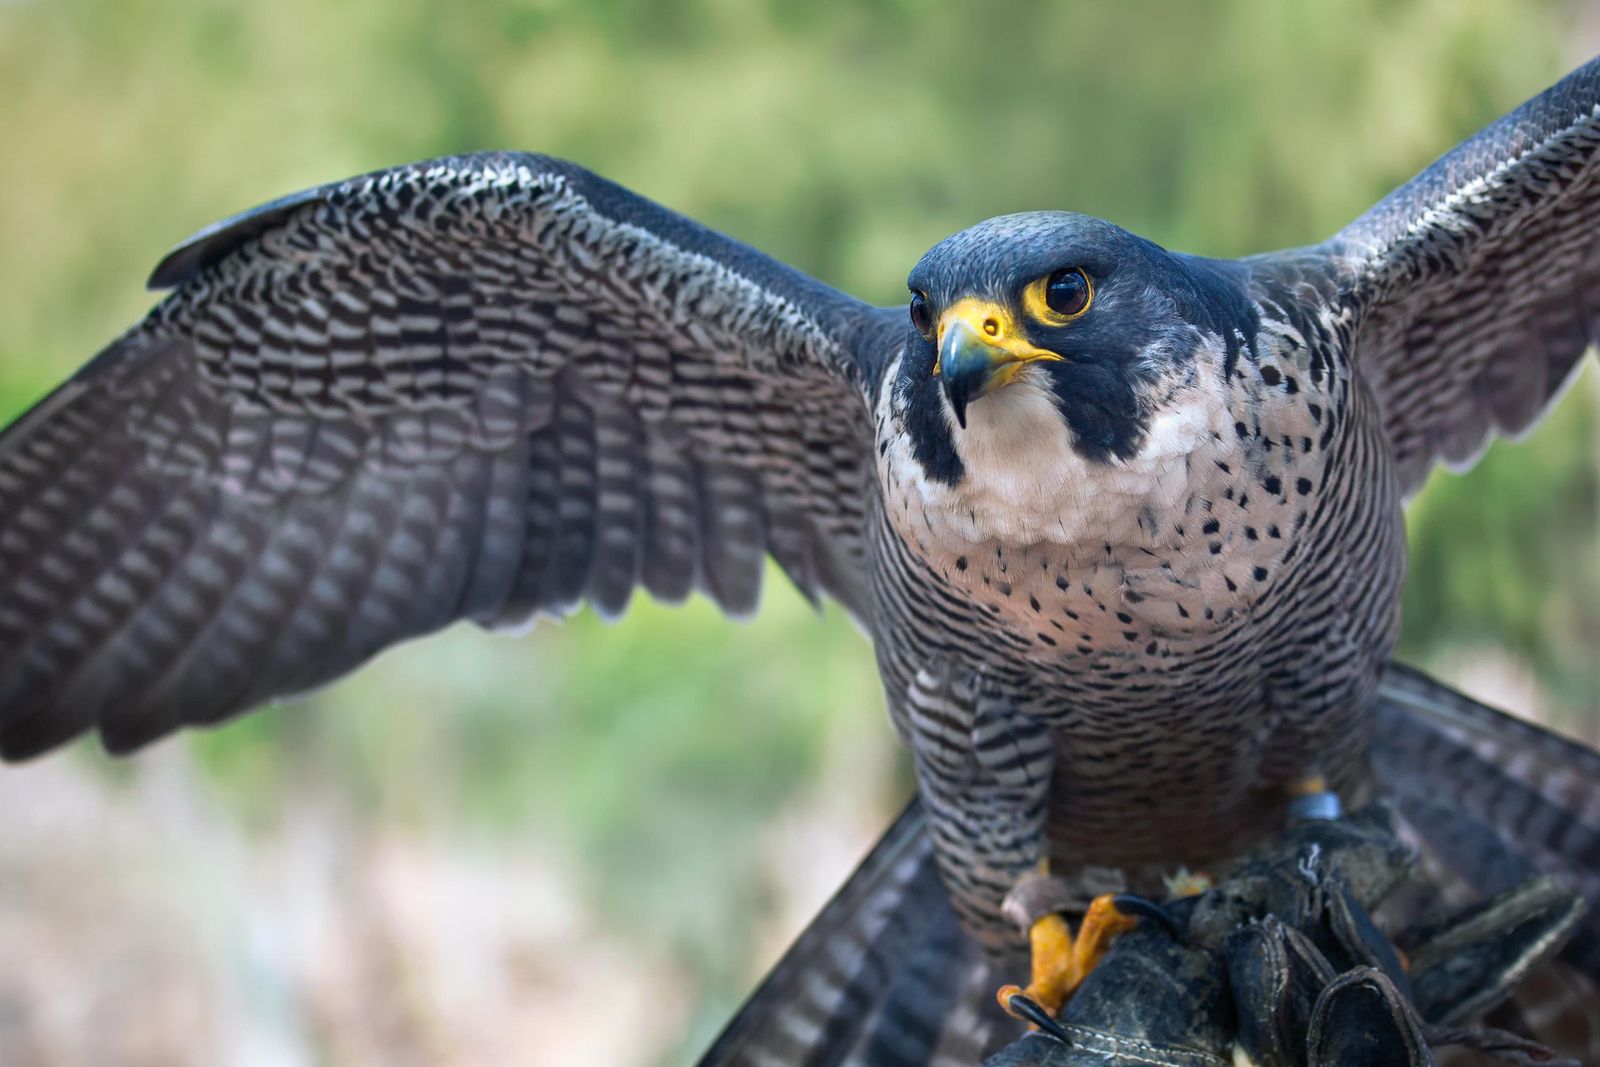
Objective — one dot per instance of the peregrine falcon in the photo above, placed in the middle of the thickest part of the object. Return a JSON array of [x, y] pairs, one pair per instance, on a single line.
[[1124, 524]]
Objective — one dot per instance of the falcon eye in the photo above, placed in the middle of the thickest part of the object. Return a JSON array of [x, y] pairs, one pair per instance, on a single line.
[[921, 315], [1068, 292]]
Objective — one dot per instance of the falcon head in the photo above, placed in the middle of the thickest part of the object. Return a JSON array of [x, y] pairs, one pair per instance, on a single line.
[[1050, 354], [1077, 313]]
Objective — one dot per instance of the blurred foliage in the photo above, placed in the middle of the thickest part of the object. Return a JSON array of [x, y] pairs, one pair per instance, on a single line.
[[1509, 558], [844, 139]]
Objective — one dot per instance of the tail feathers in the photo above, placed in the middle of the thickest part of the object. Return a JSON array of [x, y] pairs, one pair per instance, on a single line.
[[882, 977], [1496, 798], [1493, 801]]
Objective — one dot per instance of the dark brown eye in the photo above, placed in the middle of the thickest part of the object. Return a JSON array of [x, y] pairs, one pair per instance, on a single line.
[[1067, 292], [921, 315]]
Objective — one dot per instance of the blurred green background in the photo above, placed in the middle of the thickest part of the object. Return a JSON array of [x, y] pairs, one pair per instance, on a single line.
[[588, 842]]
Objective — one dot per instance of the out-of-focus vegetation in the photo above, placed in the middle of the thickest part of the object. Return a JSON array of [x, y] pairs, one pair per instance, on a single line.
[[680, 774]]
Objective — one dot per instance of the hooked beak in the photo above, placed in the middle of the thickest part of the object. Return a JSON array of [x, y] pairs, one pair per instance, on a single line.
[[980, 350]]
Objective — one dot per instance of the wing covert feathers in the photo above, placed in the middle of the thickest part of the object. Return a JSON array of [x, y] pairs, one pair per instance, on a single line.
[[1475, 287]]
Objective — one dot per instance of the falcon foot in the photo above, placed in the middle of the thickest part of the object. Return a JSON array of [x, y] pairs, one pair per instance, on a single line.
[[1310, 798], [1061, 961]]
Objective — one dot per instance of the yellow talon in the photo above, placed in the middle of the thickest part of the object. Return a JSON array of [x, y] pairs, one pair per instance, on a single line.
[[1100, 927], [1061, 961], [1050, 943]]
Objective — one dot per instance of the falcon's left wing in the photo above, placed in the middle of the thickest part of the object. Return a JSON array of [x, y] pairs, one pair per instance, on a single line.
[[480, 388], [1476, 285]]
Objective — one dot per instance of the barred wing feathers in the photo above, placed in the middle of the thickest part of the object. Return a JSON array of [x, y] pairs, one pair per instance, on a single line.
[[1476, 285], [486, 387]]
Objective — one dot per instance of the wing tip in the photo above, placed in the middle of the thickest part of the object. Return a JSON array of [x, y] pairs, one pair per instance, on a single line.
[[33, 736]]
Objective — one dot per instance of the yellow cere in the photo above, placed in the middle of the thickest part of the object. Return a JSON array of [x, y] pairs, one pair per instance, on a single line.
[[998, 327]]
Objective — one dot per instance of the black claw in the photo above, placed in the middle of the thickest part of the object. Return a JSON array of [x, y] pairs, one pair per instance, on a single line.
[[1025, 1006], [1145, 908]]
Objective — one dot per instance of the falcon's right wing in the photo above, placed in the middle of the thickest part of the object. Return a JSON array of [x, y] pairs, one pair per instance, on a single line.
[[484, 387]]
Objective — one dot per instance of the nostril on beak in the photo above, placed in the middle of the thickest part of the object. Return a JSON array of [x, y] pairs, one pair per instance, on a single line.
[[991, 327]]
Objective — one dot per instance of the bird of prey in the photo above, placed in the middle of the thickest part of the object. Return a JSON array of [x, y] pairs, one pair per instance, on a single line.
[[1124, 524]]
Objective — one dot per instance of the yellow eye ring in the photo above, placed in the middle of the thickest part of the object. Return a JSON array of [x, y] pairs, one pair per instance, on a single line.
[[1059, 297]]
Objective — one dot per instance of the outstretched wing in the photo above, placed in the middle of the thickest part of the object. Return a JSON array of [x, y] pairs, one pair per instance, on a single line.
[[484, 387], [1477, 284]]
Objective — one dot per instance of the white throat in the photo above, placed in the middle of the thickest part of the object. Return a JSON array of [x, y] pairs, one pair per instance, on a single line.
[[1024, 484]]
